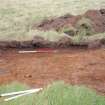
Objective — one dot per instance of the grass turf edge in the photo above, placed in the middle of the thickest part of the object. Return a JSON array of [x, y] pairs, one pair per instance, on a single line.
[[57, 93]]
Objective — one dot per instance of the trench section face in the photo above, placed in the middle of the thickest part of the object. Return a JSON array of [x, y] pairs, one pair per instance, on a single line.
[[74, 66]]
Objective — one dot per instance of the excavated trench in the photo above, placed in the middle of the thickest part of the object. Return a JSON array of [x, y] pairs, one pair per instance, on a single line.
[[74, 65]]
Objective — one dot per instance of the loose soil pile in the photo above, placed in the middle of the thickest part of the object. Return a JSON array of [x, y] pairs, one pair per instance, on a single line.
[[96, 16], [74, 66], [98, 25]]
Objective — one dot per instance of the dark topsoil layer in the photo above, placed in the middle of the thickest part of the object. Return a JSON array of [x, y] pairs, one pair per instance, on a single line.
[[96, 16]]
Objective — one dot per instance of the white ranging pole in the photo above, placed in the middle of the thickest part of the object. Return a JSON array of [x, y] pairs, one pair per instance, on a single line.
[[27, 52], [19, 92], [20, 95], [36, 51]]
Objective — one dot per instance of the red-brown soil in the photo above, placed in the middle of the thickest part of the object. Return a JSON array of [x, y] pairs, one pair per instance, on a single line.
[[75, 66]]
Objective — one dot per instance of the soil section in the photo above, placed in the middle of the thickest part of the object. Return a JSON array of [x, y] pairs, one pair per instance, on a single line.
[[74, 66]]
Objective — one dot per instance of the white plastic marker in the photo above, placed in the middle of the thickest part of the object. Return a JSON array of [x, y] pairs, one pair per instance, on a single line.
[[19, 94]]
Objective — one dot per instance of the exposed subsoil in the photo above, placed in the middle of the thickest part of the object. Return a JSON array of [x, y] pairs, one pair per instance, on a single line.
[[74, 66]]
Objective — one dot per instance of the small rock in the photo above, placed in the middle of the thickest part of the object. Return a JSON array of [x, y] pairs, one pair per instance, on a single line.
[[28, 76]]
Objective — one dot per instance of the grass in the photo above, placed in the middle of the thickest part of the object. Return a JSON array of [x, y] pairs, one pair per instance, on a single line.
[[84, 40], [18, 16], [57, 93], [70, 30], [49, 35], [84, 27]]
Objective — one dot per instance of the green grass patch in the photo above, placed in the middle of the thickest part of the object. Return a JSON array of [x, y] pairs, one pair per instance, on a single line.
[[51, 35], [69, 30], [80, 40], [57, 93], [84, 27]]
